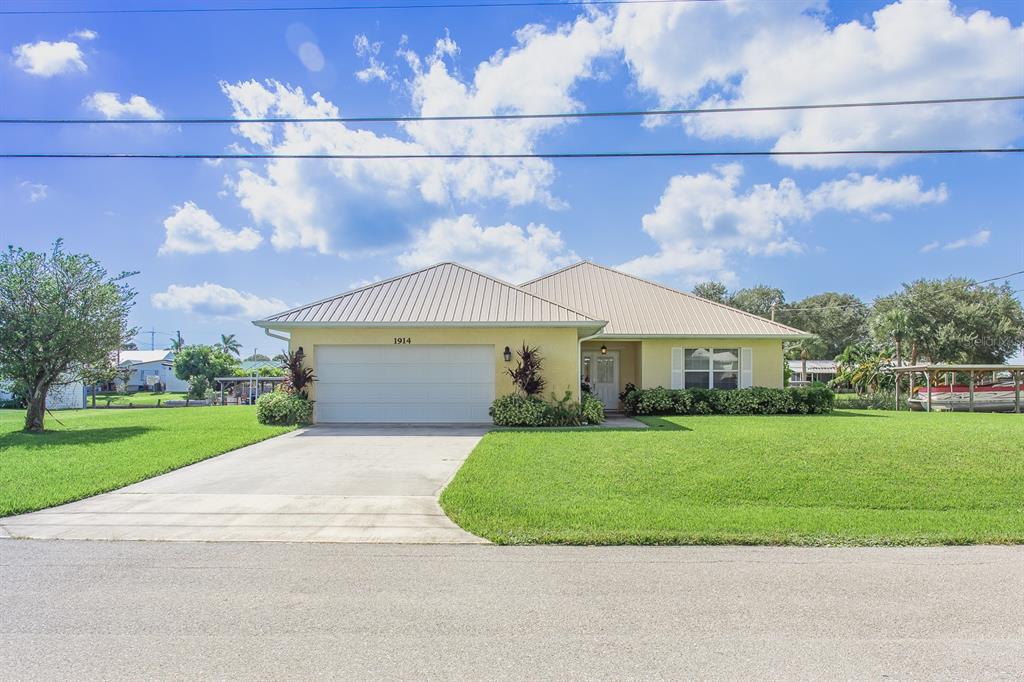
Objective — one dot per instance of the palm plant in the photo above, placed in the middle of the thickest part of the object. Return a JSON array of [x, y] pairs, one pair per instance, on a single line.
[[526, 375], [229, 344], [177, 344], [297, 378]]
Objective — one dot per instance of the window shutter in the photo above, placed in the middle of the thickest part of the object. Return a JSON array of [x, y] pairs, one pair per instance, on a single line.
[[746, 367], [677, 368]]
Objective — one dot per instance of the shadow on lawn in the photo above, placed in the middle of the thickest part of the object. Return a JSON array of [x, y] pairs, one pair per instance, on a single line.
[[111, 434]]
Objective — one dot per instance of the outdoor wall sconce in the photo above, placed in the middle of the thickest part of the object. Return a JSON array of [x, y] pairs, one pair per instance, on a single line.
[[508, 354], [604, 349]]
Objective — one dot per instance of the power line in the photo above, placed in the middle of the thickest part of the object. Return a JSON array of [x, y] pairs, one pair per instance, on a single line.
[[538, 155], [993, 279], [351, 8], [510, 117]]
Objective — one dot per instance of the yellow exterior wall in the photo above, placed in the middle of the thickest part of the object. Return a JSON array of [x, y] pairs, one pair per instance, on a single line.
[[656, 359], [558, 348]]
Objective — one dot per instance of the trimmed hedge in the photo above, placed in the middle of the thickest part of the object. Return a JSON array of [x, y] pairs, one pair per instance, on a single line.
[[519, 410], [756, 400], [283, 409]]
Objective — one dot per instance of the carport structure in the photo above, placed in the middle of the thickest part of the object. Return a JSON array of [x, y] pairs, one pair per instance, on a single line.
[[932, 372]]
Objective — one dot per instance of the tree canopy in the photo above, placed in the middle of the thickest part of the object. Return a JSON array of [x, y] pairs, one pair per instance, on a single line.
[[954, 320], [838, 320], [59, 314], [758, 300], [204, 361], [712, 291]]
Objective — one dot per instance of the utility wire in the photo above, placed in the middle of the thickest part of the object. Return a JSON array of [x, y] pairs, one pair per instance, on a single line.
[[993, 279], [540, 155], [512, 117], [350, 8]]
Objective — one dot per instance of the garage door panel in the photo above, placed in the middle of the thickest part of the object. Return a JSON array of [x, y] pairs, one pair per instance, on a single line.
[[404, 383], [353, 394]]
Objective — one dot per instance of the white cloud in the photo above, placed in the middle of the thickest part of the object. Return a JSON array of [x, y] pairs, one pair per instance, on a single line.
[[868, 193], [764, 53], [702, 218], [979, 238], [326, 205], [48, 59], [214, 300], [190, 229], [509, 252], [85, 34], [375, 69], [35, 191], [110, 105]]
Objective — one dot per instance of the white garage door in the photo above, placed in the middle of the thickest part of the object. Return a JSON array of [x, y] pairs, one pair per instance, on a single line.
[[405, 383]]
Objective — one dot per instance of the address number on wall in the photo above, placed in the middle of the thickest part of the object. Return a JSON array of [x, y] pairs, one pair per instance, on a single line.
[[403, 340]]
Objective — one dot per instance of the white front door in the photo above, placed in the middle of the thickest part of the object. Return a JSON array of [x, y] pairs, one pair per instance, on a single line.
[[601, 371]]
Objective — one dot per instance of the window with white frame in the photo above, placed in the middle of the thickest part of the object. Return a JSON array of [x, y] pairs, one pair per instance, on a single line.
[[711, 368]]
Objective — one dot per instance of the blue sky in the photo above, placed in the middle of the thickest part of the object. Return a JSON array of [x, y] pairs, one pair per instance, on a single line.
[[218, 245]]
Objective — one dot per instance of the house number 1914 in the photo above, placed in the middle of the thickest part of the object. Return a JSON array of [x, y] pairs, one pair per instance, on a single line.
[[402, 340]]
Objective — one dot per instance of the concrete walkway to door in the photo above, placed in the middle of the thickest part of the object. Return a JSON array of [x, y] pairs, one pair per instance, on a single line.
[[352, 483]]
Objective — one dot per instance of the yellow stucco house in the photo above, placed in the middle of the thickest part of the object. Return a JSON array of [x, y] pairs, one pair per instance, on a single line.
[[435, 345]]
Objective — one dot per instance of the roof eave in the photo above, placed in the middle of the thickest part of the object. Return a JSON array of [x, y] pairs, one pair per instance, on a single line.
[[284, 325], [691, 335]]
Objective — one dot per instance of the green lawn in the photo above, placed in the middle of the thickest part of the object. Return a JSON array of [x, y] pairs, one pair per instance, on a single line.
[[140, 398], [100, 450], [853, 478]]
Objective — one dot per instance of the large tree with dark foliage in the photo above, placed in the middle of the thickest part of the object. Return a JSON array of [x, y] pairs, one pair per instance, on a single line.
[[59, 313], [838, 320], [954, 320]]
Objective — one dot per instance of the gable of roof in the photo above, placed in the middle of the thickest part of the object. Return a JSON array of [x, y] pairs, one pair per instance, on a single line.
[[442, 294], [638, 307], [134, 357]]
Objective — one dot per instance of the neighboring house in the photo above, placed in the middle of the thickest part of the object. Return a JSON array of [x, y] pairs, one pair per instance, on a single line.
[[60, 396], [69, 396], [435, 345], [147, 366], [817, 370]]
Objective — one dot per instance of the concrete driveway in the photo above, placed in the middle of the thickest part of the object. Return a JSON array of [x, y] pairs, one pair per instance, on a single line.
[[348, 483]]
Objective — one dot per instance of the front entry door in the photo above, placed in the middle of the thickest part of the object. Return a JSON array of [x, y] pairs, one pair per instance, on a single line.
[[601, 371]]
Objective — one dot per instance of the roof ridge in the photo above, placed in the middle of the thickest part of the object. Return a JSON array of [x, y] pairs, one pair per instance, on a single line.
[[673, 290], [520, 289], [559, 271], [424, 269]]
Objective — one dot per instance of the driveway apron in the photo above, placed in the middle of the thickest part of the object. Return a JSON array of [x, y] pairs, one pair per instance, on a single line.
[[352, 483]]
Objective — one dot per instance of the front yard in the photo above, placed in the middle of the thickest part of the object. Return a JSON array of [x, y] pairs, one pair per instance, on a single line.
[[100, 450], [853, 477]]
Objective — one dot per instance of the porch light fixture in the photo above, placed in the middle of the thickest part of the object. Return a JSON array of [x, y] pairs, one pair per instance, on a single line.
[[604, 349], [508, 354]]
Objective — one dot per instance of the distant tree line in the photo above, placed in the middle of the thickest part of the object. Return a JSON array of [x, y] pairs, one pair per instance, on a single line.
[[949, 320]]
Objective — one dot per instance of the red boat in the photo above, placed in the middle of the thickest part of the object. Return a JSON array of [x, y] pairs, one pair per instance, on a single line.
[[997, 397]]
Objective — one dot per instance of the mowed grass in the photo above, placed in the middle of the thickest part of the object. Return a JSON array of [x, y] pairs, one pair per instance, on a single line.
[[100, 450], [850, 478]]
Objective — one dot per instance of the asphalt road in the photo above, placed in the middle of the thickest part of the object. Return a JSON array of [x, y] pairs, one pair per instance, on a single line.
[[135, 610]]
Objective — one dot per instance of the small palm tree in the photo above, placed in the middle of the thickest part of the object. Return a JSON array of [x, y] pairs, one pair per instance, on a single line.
[[177, 344], [229, 344]]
